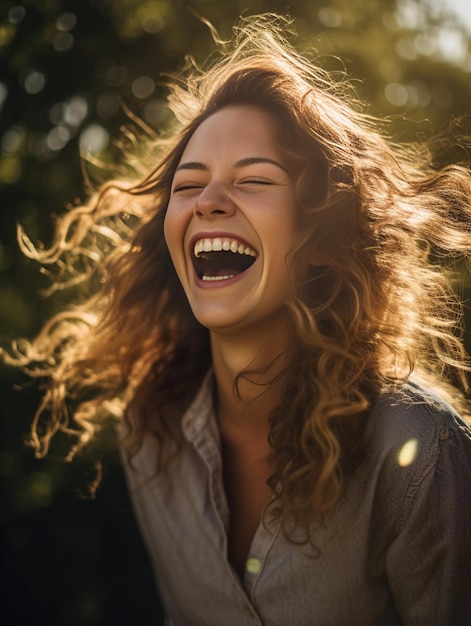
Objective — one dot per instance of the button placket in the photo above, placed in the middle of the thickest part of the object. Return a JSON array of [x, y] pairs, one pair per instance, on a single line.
[[256, 560]]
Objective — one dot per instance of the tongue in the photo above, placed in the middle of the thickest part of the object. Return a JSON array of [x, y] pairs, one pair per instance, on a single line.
[[223, 271], [222, 263]]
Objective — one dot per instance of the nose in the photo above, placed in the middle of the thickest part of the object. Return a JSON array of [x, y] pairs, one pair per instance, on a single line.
[[213, 201]]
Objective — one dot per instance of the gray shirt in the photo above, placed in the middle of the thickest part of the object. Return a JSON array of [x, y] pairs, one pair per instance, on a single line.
[[397, 551]]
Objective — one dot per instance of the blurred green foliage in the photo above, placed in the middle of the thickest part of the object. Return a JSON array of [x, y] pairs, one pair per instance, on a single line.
[[65, 68]]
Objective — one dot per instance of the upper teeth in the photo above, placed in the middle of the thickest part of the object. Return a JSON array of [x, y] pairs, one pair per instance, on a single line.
[[218, 244]]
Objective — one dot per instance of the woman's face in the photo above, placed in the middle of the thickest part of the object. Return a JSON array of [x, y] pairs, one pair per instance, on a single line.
[[231, 221]]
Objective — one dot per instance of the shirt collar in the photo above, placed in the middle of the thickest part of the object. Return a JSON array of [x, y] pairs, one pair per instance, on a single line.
[[201, 410]]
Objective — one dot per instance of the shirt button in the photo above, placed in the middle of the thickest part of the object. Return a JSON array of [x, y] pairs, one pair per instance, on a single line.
[[253, 565]]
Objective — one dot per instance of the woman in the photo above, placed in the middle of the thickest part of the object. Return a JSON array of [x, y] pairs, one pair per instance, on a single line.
[[280, 340]]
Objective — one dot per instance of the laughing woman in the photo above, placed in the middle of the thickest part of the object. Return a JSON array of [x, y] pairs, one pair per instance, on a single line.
[[280, 339]]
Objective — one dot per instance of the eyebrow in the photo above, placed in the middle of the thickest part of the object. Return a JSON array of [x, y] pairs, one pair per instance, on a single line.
[[196, 165]]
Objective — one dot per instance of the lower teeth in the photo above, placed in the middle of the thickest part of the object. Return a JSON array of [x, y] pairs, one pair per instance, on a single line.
[[214, 278]]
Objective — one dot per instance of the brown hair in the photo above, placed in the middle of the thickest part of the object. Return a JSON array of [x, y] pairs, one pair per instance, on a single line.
[[376, 307]]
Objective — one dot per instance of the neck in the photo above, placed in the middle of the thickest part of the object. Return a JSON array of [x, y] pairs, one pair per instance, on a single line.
[[249, 400]]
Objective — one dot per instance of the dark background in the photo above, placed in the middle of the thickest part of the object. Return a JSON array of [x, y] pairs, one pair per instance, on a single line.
[[65, 66]]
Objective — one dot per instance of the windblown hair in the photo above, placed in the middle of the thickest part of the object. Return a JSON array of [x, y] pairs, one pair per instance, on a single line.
[[378, 305]]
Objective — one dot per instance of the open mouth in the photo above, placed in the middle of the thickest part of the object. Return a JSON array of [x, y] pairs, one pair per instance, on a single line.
[[221, 258]]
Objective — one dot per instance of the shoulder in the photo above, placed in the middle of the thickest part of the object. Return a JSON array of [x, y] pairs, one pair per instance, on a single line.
[[411, 413], [415, 444], [419, 476]]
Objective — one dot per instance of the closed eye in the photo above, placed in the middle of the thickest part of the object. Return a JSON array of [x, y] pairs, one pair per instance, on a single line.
[[256, 181], [187, 186]]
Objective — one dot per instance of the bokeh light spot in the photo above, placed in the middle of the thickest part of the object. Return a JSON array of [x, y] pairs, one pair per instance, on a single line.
[[396, 94], [16, 14], [425, 44], [330, 17], [12, 139], [75, 111], [143, 87], [406, 48], [56, 113], [58, 137], [155, 112], [410, 14], [7, 32], [419, 94], [34, 82], [94, 139], [63, 42], [66, 21], [452, 45], [253, 565], [152, 24], [408, 453]]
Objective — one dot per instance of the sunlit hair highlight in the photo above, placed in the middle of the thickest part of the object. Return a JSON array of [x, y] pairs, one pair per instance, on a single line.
[[379, 222]]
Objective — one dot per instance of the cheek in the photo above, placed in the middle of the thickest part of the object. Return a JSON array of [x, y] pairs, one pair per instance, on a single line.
[[167, 229], [172, 232]]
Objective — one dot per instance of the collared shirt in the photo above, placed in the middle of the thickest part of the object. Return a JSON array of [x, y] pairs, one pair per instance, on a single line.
[[397, 550]]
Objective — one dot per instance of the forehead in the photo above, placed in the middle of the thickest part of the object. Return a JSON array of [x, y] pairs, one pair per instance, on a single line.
[[235, 130]]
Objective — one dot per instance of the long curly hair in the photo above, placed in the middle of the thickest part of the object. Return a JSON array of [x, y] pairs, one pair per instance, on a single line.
[[378, 305]]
